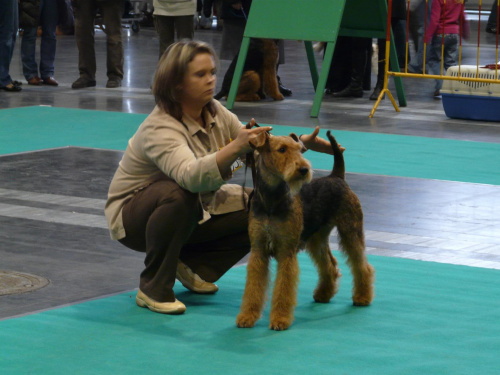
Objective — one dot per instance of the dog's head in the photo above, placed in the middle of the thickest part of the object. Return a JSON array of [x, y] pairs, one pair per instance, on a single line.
[[279, 158]]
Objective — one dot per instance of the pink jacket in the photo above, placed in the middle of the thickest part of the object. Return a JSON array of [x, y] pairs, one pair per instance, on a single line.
[[450, 22]]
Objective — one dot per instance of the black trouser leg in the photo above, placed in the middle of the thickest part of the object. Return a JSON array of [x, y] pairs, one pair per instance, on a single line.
[[359, 56]]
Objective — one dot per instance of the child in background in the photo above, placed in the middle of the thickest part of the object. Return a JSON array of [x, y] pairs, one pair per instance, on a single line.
[[447, 21]]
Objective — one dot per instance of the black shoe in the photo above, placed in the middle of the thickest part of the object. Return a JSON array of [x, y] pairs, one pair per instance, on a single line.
[[283, 90], [491, 30], [349, 92], [376, 93], [82, 82], [113, 83], [11, 88]]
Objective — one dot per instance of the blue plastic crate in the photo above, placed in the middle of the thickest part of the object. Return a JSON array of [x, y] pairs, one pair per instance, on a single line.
[[471, 107]]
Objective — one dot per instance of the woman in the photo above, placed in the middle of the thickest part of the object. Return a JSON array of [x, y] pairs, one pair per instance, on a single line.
[[169, 196]]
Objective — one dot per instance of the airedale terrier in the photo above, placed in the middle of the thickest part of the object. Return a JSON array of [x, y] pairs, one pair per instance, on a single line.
[[259, 75], [287, 214]]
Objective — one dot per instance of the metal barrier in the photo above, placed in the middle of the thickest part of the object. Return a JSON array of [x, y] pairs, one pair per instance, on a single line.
[[457, 77]]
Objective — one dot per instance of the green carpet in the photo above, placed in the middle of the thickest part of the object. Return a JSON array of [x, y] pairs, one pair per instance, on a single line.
[[36, 128], [427, 318]]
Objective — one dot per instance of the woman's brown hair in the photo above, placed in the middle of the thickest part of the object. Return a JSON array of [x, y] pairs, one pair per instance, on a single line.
[[170, 74]]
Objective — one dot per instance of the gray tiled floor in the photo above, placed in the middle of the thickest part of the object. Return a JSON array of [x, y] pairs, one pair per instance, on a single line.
[[51, 223]]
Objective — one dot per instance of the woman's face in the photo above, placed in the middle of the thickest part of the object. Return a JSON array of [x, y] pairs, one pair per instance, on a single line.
[[199, 82]]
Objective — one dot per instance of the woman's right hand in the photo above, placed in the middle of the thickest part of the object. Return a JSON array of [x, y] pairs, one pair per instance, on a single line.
[[227, 155], [248, 133]]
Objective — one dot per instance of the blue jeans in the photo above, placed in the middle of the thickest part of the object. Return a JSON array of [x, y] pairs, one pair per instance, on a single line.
[[9, 23], [48, 21], [450, 55]]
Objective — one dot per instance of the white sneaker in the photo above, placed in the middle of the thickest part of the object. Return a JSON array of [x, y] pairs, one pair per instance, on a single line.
[[193, 282], [143, 300]]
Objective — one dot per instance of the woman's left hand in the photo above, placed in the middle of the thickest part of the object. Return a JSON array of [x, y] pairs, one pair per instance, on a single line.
[[318, 144]]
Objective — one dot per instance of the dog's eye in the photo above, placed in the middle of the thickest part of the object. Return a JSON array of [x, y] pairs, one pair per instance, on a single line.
[[282, 150]]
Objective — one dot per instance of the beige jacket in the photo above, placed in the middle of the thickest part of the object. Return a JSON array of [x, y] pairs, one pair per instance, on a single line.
[[164, 148], [174, 7]]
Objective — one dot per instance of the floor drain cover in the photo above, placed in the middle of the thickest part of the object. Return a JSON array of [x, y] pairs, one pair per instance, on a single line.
[[12, 282]]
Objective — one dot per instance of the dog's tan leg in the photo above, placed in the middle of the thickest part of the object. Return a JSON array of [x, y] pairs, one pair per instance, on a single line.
[[269, 74], [352, 243], [255, 293], [328, 271], [285, 292], [248, 87]]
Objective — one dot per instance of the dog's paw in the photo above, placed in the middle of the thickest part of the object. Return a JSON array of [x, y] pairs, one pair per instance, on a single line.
[[363, 291], [325, 292], [363, 297], [361, 302], [280, 324], [321, 296], [245, 321], [248, 98], [278, 96]]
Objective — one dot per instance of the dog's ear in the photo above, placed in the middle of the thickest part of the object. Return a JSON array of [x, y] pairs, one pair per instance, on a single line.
[[297, 139], [259, 141]]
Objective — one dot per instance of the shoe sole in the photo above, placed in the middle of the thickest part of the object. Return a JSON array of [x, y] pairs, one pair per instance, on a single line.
[[336, 95], [141, 303], [376, 97], [92, 84], [11, 89]]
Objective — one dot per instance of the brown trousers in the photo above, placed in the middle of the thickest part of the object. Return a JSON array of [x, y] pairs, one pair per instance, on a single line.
[[166, 27], [112, 11], [162, 221]]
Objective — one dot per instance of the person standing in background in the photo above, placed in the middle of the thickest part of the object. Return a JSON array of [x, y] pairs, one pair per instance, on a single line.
[[32, 14], [9, 23], [447, 21], [170, 16], [398, 25], [234, 13], [85, 15], [492, 25], [420, 10]]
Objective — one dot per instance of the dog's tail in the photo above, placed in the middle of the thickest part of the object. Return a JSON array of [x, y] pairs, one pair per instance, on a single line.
[[338, 158]]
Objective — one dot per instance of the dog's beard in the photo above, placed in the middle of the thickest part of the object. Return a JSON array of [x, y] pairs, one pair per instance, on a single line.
[[296, 184]]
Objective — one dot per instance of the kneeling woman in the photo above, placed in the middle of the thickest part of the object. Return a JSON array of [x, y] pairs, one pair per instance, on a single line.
[[169, 197]]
